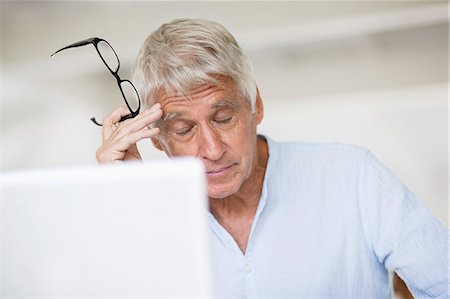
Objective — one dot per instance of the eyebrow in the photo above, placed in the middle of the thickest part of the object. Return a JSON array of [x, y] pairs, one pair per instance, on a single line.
[[170, 116], [226, 103]]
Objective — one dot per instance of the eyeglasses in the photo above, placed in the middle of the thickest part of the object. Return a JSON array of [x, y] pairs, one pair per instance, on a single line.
[[111, 60]]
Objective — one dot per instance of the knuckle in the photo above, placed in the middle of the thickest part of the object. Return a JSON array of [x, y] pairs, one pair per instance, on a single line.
[[115, 114], [99, 155], [105, 119]]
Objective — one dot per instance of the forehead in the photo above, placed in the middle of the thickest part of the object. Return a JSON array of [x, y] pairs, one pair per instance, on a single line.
[[208, 94]]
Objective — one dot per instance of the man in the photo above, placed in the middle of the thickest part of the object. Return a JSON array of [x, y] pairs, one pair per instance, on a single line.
[[287, 220]]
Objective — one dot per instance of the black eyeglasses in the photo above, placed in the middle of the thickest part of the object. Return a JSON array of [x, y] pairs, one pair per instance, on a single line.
[[111, 60]]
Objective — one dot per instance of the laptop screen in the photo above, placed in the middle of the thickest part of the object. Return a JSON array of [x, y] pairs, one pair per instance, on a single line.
[[133, 230]]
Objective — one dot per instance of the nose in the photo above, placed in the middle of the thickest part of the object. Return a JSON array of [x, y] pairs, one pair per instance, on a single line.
[[210, 144]]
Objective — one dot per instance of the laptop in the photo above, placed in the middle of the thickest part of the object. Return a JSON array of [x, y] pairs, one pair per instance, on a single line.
[[131, 230]]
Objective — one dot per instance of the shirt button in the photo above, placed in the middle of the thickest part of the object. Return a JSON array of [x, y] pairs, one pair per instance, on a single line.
[[247, 268]]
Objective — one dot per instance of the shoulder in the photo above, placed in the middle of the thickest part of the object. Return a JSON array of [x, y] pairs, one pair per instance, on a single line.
[[321, 163], [322, 153]]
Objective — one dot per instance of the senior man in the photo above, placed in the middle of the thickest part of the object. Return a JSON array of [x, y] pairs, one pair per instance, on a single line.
[[289, 220]]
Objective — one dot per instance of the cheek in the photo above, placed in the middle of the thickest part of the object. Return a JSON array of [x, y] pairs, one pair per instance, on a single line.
[[241, 143], [243, 136], [178, 149]]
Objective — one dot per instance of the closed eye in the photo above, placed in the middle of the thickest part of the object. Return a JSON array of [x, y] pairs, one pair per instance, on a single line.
[[183, 131], [224, 120]]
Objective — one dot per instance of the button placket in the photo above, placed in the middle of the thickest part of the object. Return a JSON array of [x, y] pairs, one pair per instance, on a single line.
[[248, 268]]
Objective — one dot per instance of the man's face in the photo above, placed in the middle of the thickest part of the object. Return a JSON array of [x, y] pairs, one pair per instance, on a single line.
[[216, 125]]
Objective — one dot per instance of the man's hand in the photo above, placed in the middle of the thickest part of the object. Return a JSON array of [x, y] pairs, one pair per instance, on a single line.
[[119, 139]]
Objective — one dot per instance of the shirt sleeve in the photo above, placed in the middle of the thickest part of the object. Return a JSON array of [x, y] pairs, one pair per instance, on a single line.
[[403, 233]]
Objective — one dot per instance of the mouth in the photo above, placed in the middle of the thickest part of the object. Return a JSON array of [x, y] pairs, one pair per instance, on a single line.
[[220, 171]]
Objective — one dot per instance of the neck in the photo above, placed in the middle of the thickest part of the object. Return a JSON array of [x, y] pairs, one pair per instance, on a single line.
[[245, 201]]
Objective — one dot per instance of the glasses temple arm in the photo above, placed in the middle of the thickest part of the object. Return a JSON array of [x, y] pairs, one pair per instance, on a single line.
[[125, 117], [91, 40]]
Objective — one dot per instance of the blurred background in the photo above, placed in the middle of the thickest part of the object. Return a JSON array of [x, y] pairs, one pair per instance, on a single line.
[[373, 74]]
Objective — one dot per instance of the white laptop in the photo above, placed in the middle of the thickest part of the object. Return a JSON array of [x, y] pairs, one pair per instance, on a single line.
[[134, 230]]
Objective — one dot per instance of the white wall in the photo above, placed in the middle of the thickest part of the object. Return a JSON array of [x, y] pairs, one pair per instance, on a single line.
[[372, 73]]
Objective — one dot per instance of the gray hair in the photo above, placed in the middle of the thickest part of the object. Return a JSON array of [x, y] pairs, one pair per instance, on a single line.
[[184, 53]]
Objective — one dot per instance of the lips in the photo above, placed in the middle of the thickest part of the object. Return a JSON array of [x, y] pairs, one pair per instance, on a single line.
[[219, 171]]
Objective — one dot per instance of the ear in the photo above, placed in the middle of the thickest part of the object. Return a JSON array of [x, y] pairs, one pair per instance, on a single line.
[[156, 143], [259, 107]]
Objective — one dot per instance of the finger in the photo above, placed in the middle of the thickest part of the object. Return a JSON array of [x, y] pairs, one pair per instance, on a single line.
[[138, 123], [155, 107], [128, 140], [109, 122], [115, 150], [147, 119]]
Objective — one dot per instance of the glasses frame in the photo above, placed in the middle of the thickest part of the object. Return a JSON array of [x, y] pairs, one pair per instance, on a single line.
[[95, 41]]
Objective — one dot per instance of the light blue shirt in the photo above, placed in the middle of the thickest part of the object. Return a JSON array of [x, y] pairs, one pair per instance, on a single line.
[[332, 221]]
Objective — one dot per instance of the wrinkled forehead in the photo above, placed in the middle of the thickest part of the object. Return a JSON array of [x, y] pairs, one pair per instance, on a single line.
[[219, 86]]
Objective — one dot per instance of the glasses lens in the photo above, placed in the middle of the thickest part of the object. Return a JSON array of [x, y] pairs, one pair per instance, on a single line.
[[109, 56], [130, 95]]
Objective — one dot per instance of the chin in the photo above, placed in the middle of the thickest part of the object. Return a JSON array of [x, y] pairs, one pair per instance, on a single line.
[[221, 191], [219, 194]]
